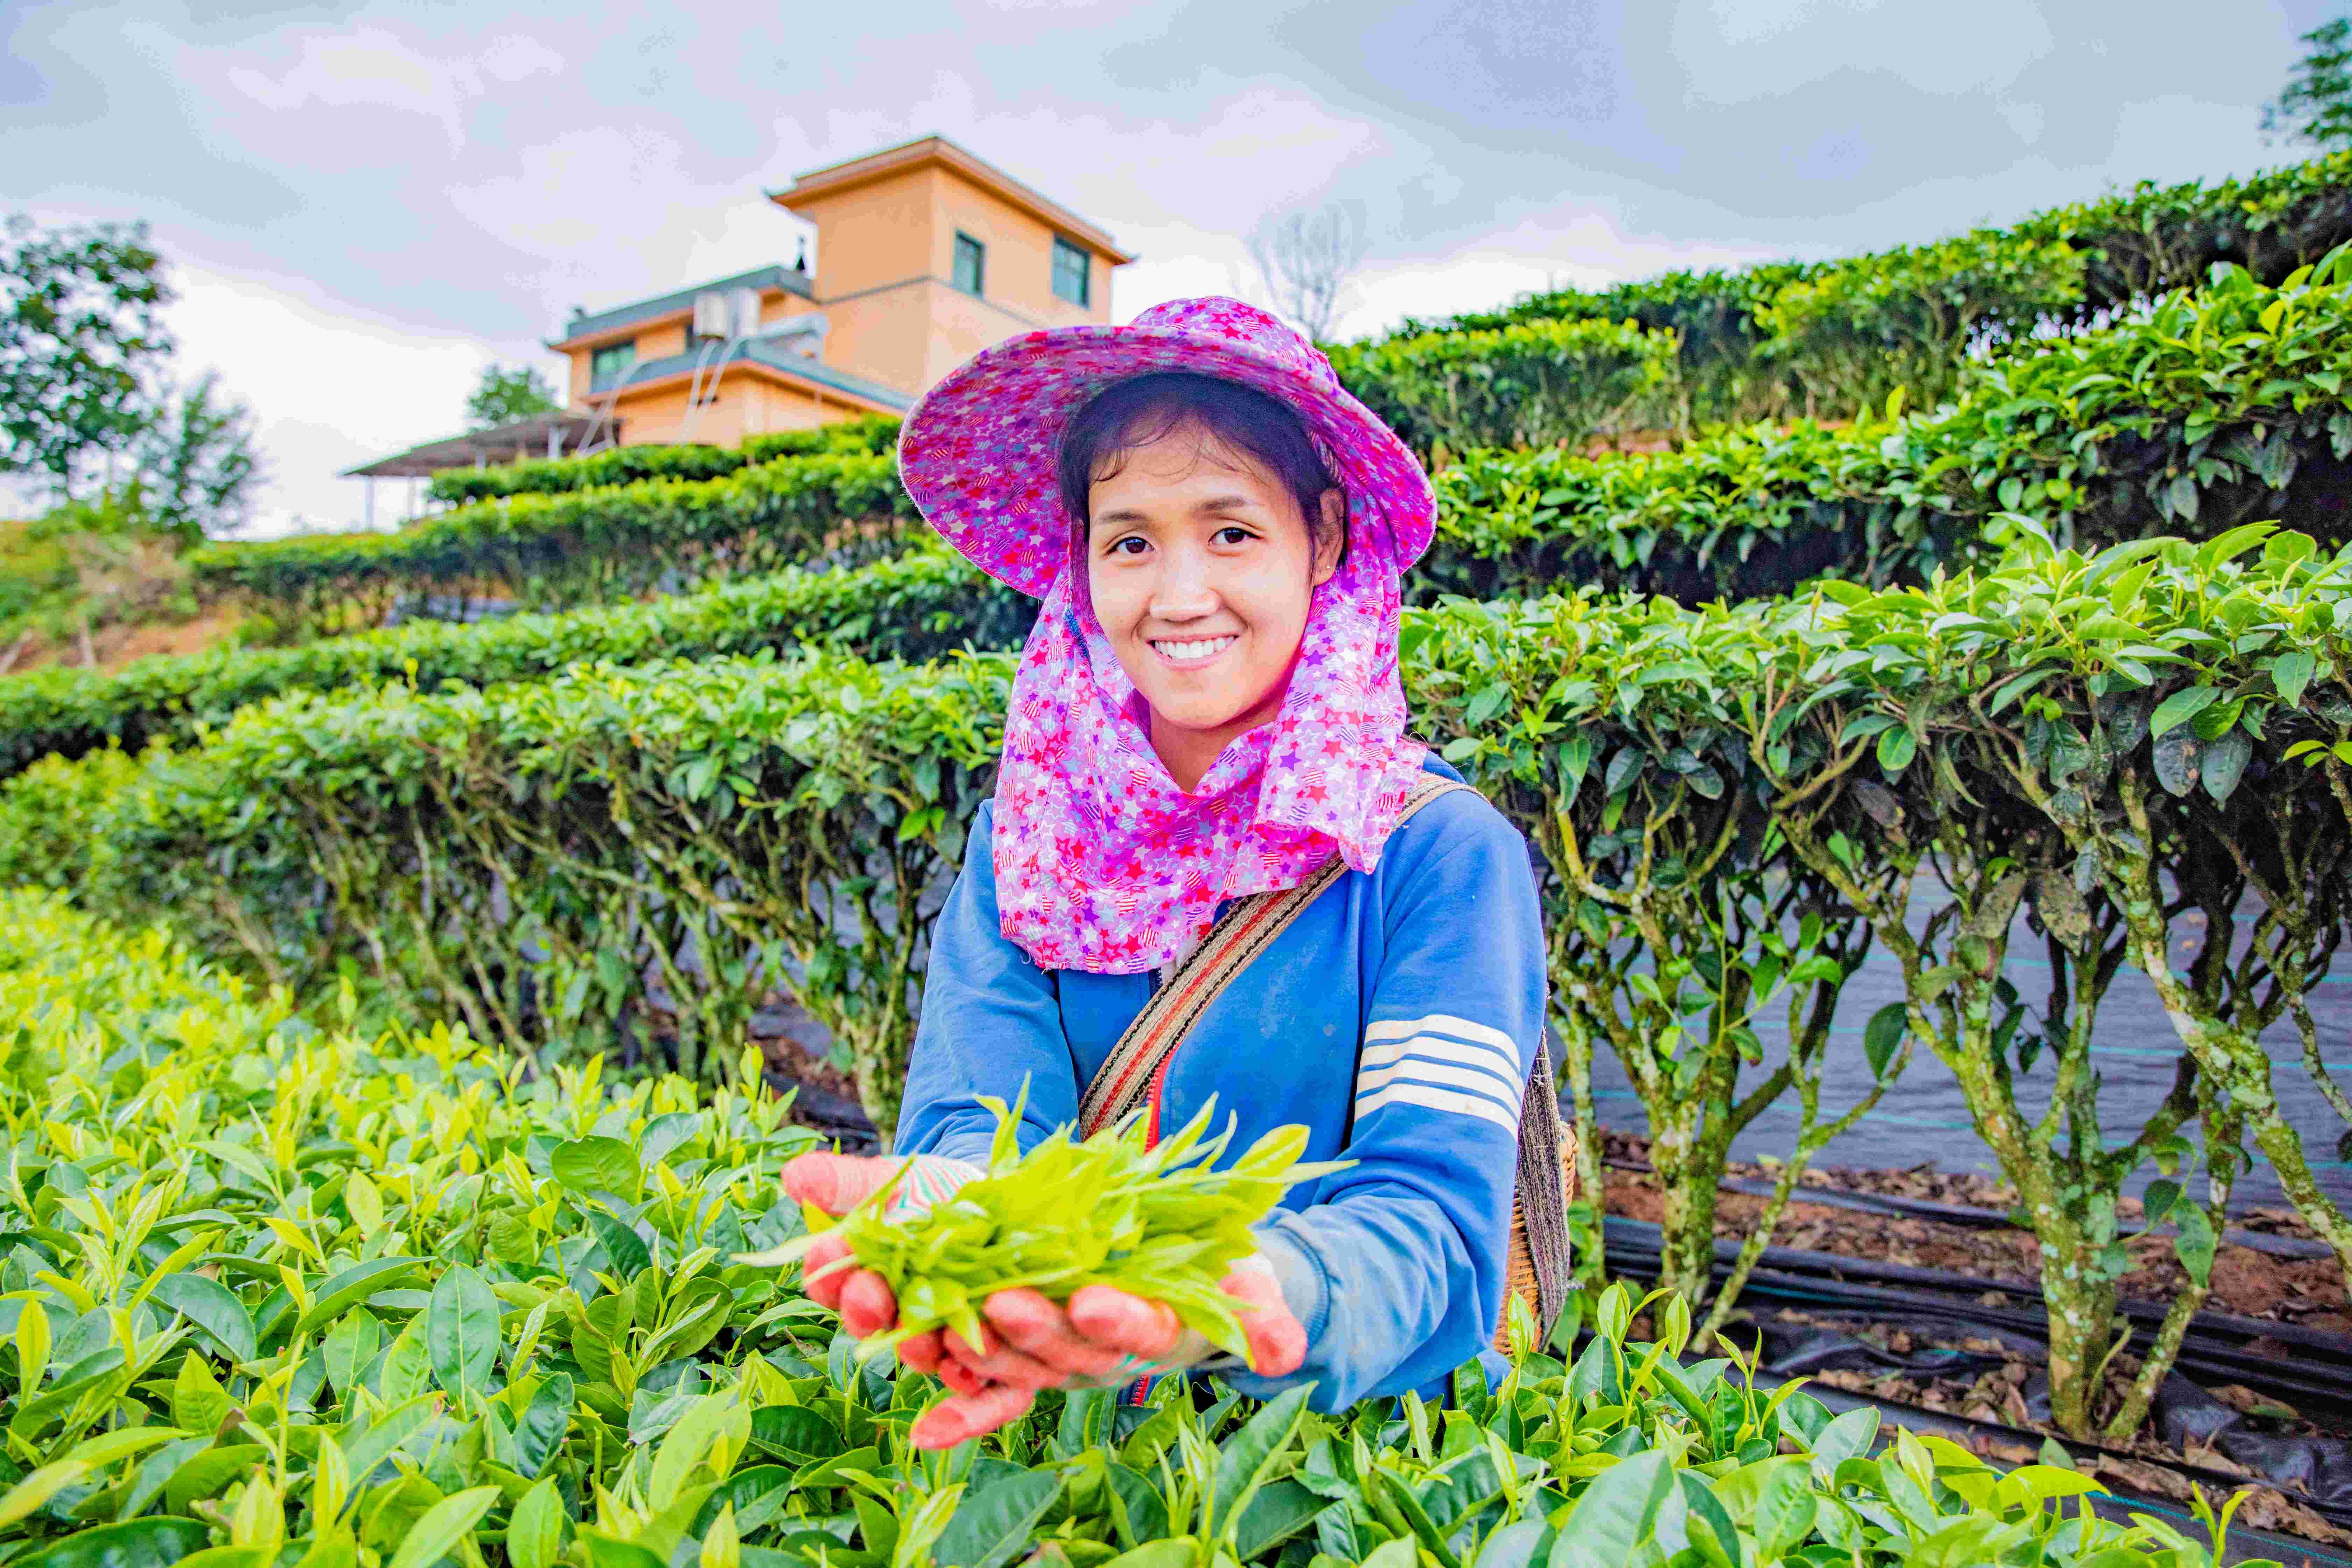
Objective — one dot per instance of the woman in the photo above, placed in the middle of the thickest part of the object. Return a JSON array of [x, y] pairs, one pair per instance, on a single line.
[[1209, 707]]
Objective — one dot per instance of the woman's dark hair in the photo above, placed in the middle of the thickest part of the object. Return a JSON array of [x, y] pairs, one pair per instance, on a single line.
[[1140, 410]]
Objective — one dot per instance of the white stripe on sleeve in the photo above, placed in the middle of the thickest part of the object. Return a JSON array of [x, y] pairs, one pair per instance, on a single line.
[[1439, 1099], [1443, 1023], [1480, 1076]]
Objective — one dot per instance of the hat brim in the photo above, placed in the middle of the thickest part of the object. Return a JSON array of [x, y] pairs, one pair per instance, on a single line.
[[978, 452]]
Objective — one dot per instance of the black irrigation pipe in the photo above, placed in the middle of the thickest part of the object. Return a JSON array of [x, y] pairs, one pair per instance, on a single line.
[[1895, 1207], [2213, 1346]]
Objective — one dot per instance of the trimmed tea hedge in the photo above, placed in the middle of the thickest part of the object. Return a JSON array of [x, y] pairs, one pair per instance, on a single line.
[[523, 856], [1543, 383], [2225, 404], [575, 547], [2229, 403], [1704, 787], [2125, 249], [280, 1294], [874, 436], [916, 606]]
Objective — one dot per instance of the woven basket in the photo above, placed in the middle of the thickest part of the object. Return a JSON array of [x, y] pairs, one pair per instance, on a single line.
[[1520, 1257]]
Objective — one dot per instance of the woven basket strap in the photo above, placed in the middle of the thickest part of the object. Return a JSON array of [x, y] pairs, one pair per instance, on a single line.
[[1247, 928], [1542, 1190]]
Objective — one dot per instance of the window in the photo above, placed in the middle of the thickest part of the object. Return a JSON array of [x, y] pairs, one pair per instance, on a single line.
[[1070, 272], [969, 259], [610, 364]]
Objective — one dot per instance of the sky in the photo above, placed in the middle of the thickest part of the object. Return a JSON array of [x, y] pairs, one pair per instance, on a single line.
[[364, 205]]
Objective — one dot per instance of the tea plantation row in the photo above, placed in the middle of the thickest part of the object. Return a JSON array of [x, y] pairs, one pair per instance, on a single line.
[[2223, 405], [2096, 743], [284, 1295], [1785, 338]]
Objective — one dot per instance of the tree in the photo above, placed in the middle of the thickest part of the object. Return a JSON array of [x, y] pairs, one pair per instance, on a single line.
[[196, 461], [80, 329], [2316, 106], [1304, 260], [503, 397]]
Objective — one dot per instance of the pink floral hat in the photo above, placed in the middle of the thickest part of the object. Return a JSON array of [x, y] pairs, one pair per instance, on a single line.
[[1102, 862], [978, 452]]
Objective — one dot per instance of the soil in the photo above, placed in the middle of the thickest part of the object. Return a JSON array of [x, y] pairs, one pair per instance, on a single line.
[[118, 646], [791, 1058], [786, 1037]]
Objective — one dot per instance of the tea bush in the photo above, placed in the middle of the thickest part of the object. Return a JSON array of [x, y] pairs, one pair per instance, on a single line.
[[575, 547], [1739, 800], [2222, 405], [2070, 266], [1725, 793], [916, 606], [276, 1293], [1545, 384], [874, 436]]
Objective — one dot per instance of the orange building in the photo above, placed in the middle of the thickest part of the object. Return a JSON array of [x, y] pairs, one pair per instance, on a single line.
[[924, 256]]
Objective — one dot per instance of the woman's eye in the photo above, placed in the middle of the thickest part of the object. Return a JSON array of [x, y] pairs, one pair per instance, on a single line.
[[1232, 536], [1121, 547]]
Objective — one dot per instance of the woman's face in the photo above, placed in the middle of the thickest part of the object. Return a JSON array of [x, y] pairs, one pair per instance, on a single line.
[[1201, 568]]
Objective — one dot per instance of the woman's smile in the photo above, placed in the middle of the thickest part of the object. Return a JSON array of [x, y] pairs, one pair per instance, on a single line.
[[1192, 653]]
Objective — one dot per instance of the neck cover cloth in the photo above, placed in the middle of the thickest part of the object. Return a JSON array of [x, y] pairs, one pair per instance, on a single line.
[[1102, 864]]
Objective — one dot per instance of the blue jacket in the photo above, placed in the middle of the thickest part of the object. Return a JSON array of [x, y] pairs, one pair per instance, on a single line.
[[1396, 1018]]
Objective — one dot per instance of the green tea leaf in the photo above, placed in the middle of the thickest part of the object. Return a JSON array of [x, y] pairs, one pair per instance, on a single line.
[[211, 1306], [1612, 1517], [38, 1488], [796, 1434], [597, 1165], [1245, 1459], [461, 1330], [993, 1525], [1883, 1036], [535, 1533], [150, 1542], [348, 1288], [2181, 707], [444, 1525]]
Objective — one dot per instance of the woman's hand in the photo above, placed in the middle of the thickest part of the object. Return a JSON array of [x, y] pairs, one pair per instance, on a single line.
[[837, 1183], [1102, 1339]]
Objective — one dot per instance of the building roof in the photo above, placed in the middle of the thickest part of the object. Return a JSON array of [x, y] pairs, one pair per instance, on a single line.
[[791, 279], [496, 445], [771, 356], [890, 162]]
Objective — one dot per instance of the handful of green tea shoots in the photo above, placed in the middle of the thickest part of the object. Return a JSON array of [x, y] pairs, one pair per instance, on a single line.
[[1161, 1222]]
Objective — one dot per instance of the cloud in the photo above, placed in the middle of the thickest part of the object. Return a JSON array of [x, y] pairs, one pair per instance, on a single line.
[[367, 209], [371, 67], [1733, 51], [330, 389]]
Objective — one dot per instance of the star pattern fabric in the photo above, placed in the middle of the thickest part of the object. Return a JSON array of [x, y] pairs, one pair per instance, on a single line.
[[1102, 863]]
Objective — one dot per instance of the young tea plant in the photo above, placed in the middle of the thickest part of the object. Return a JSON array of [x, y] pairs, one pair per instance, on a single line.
[[1162, 1221]]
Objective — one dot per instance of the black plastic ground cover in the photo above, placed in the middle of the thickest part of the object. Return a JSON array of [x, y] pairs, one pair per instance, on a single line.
[[836, 1116]]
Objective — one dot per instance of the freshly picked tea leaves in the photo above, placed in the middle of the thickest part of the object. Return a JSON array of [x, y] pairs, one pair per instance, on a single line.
[[1161, 1221]]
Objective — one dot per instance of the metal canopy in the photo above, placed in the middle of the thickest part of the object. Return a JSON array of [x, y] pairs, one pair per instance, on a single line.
[[541, 436]]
